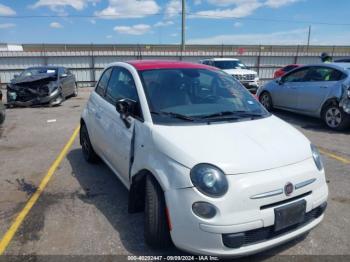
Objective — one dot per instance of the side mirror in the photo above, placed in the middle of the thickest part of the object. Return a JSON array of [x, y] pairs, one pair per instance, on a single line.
[[279, 81], [64, 75], [15, 76], [126, 107]]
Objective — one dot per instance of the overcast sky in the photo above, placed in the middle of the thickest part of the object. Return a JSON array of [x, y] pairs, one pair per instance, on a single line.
[[159, 21]]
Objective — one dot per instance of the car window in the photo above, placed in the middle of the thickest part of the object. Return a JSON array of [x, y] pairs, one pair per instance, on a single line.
[[198, 94], [320, 74], [229, 64], [38, 71], [121, 85], [296, 76], [102, 84]]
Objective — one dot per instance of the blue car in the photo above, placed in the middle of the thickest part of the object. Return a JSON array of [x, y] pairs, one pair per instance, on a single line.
[[320, 90]]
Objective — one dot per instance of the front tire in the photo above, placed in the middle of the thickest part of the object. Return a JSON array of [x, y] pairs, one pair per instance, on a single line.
[[57, 101], [335, 118], [156, 226], [88, 151], [266, 100]]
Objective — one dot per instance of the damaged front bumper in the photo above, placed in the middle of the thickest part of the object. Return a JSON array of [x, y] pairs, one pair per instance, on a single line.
[[345, 104], [345, 101], [251, 86], [14, 99]]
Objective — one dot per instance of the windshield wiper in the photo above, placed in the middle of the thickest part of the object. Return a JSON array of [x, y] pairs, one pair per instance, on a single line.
[[174, 115], [231, 114]]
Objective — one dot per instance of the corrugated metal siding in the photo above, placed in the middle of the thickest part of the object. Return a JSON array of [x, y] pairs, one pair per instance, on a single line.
[[87, 61]]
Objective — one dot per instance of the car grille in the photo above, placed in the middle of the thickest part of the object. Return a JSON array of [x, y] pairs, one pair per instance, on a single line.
[[249, 77], [267, 233]]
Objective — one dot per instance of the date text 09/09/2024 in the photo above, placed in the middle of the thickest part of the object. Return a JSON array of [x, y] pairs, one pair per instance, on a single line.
[[172, 258]]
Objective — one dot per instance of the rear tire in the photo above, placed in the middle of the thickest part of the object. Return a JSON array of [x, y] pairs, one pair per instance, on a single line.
[[266, 100], [88, 151], [335, 118], [156, 226], [2, 113], [76, 91]]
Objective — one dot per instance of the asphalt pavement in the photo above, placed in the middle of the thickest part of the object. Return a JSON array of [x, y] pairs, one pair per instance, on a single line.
[[83, 210]]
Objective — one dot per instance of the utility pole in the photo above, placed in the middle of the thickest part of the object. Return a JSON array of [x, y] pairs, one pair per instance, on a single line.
[[308, 37], [183, 27]]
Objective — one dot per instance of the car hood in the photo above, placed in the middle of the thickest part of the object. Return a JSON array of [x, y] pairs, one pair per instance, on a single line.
[[237, 147], [31, 79], [240, 71]]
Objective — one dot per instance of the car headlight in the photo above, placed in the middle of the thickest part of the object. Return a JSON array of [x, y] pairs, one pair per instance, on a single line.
[[209, 180], [317, 157]]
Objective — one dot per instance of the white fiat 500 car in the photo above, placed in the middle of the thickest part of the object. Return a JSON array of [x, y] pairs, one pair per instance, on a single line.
[[213, 171]]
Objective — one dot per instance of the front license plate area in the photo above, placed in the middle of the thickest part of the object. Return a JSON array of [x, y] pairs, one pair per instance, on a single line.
[[289, 215]]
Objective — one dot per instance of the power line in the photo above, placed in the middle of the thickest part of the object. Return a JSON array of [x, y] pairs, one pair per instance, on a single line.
[[190, 14], [193, 15]]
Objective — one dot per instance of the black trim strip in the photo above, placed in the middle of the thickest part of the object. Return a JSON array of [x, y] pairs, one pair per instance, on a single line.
[[285, 201]]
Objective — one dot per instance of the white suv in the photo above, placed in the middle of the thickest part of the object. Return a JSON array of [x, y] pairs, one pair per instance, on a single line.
[[237, 69], [213, 171]]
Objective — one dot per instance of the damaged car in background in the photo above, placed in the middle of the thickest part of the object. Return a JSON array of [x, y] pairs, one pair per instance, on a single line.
[[321, 90], [2, 110], [41, 85]]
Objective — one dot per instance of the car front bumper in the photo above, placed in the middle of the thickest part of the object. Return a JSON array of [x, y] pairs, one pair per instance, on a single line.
[[238, 213], [345, 104], [35, 100], [252, 86]]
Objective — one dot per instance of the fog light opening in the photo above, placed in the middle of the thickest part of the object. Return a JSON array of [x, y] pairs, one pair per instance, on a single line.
[[204, 209]]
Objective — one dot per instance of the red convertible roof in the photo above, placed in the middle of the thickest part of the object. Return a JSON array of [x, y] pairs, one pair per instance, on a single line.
[[164, 64]]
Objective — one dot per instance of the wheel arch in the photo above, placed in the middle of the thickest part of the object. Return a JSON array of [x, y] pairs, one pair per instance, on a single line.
[[269, 93], [328, 102], [136, 197]]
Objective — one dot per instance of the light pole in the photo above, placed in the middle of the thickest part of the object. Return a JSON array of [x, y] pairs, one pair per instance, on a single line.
[[183, 26]]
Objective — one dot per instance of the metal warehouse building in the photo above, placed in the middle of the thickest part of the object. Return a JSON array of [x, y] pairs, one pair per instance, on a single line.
[[87, 61]]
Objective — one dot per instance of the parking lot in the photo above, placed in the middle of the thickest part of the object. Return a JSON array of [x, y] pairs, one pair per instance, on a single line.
[[83, 210]]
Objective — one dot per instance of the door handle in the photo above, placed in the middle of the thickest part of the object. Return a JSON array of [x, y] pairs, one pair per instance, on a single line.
[[324, 87]]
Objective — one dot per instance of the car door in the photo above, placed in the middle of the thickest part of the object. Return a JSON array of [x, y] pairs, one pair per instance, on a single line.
[[118, 137], [317, 85], [63, 81], [286, 93], [96, 114]]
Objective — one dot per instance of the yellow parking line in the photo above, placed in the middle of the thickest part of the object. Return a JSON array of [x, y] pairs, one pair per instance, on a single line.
[[334, 156], [5, 241]]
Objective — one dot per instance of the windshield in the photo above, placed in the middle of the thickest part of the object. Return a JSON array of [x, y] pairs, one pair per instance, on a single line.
[[38, 71], [230, 64], [197, 95]]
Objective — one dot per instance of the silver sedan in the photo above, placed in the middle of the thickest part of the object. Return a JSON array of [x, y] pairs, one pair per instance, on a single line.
[[321, 90]]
